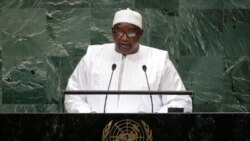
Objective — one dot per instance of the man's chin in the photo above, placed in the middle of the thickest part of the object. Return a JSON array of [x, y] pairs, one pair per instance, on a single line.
[[123, 50]]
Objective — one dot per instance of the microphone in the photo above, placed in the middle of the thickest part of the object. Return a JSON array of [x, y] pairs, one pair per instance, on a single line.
[[113, 68], [144, 68]]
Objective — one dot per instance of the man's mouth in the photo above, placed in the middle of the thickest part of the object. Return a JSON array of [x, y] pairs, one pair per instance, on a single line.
[[124, 46]]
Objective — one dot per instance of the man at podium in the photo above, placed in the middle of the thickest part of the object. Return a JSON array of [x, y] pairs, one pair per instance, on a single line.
[[126, 65]]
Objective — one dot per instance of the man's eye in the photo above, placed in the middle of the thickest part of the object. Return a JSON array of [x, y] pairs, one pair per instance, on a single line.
[[119, 33], [131, 34]]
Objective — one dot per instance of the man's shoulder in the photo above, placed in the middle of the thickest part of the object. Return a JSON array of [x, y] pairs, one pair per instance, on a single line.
[[96, 49], [154, 51], [100, 46]]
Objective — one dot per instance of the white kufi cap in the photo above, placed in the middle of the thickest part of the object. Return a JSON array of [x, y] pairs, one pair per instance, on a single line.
[[128, 16]]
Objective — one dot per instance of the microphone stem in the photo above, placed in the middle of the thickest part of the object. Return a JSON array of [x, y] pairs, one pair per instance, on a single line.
[[147, 81], [152, 106], [108, 90], [110, 79]]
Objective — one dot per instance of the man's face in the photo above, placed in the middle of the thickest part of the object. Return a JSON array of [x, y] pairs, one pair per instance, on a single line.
[[126, 37]]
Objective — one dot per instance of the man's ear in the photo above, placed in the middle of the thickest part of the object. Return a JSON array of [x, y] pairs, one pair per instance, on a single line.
[[141, 32]]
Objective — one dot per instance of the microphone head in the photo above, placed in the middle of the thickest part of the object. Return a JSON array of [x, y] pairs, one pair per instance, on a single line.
[[113, 67], [144, 67]]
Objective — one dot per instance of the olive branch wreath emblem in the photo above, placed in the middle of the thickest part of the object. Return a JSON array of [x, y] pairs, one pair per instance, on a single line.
[[107, 129]]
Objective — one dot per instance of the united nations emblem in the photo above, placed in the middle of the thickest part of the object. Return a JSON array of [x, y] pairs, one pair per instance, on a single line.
[[127, 130]]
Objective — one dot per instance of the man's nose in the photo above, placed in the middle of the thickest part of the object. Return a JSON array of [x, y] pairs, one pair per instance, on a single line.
[[124, 37]]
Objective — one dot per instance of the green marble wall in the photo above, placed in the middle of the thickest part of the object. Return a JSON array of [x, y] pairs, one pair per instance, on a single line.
[[41, 42]]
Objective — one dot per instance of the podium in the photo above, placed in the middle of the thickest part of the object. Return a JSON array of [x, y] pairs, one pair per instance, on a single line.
[[127, 126], [89, 127], [134, 92]]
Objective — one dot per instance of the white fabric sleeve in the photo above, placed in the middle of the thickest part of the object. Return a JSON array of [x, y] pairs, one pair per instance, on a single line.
[[171, 81], [77, 81]]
